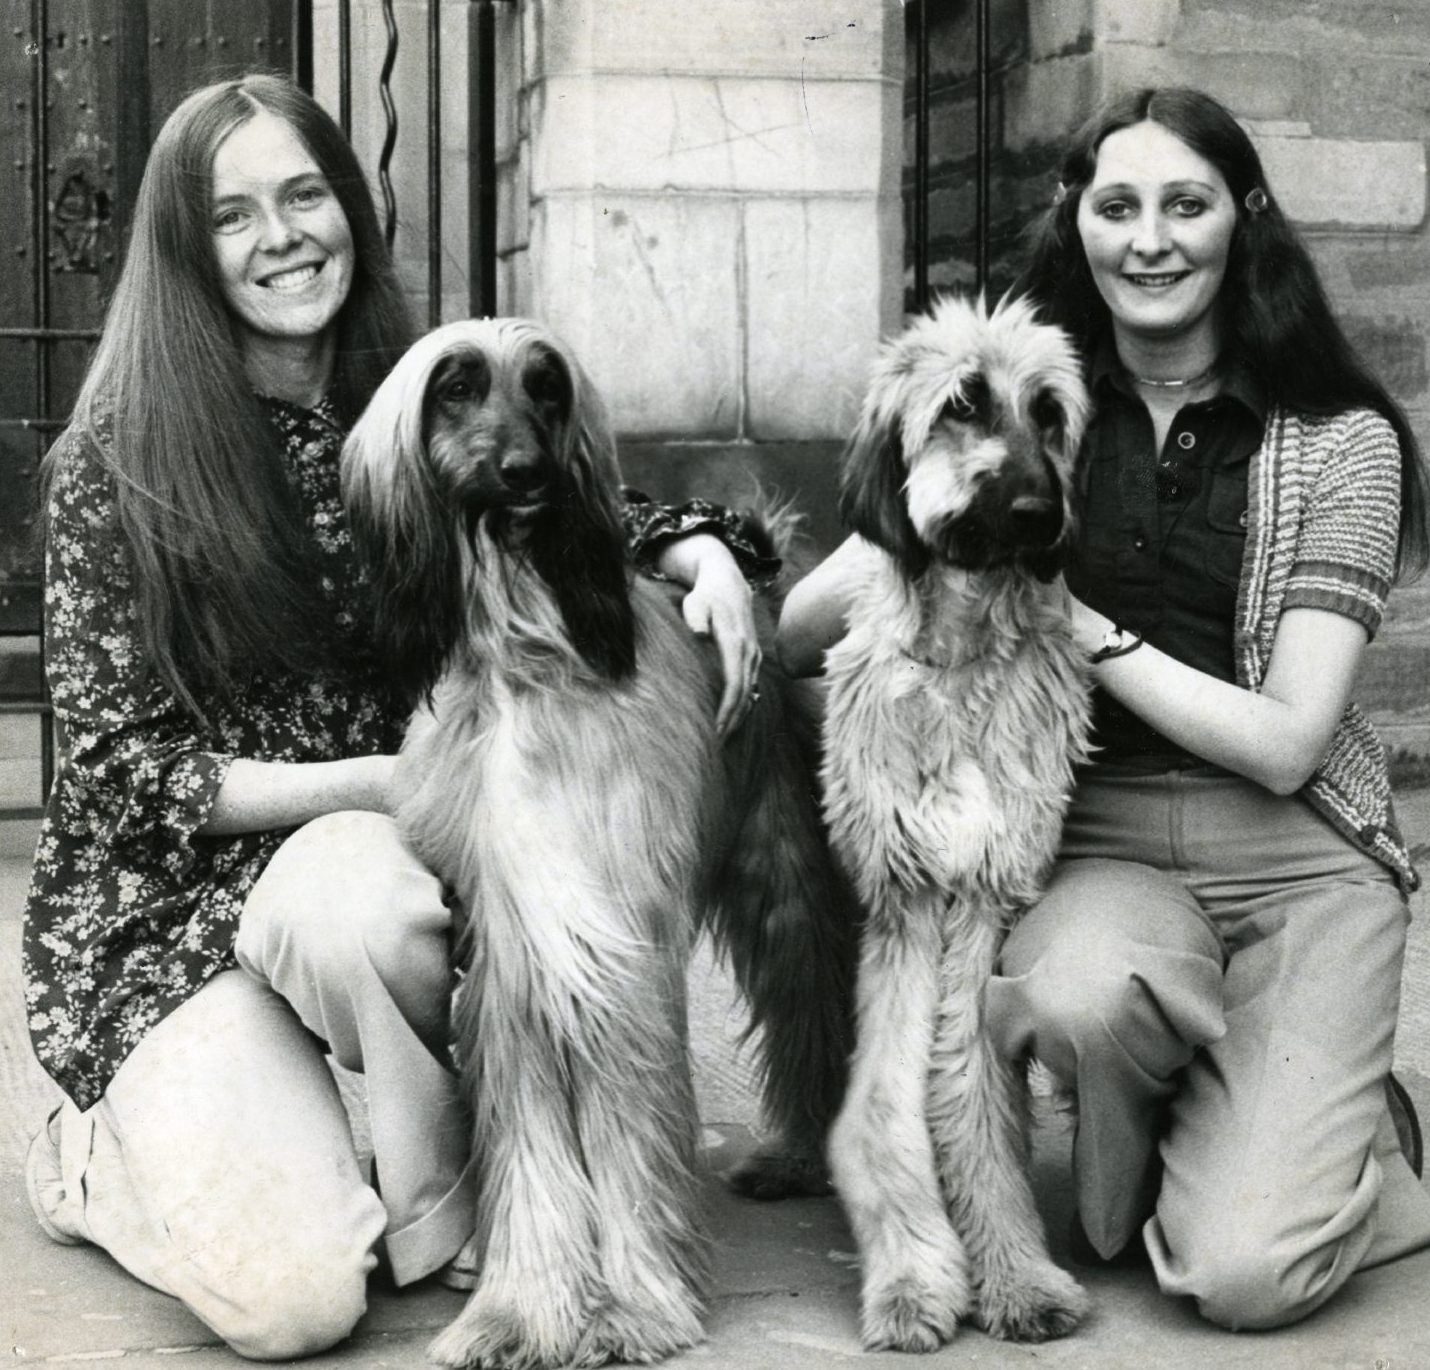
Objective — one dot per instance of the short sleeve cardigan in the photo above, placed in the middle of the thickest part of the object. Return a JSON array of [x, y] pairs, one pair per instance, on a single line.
[[1323, 519]]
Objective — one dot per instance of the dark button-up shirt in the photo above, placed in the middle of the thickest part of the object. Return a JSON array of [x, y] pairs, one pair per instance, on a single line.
[[1162, 533]]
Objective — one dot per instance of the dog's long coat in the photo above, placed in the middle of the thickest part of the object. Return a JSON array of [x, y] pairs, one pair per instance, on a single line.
[[565, 778], [957, 709]]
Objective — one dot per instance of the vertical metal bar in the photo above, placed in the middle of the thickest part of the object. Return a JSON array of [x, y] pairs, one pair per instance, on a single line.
[[131, 132], [302, 44], [984, 174], [345, 68], [482, 139], [40, 124], [921, 158], [389, 142], [434, 163]]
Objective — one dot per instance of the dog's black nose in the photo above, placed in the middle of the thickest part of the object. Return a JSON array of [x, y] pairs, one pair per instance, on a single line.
[[1035, 521], [521, 470]]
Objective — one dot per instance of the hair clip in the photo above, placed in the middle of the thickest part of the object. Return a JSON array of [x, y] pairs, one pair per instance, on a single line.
[[1256, 200], [1060, 194]]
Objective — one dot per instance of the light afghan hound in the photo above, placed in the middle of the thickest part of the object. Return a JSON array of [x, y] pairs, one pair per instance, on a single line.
[[957, 709], [565, 778]]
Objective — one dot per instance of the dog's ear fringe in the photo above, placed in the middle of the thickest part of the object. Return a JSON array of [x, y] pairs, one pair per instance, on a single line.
[[871, 495], [578, 546], [401, 533]]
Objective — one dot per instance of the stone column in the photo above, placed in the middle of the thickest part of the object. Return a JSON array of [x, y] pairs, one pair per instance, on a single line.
[[712, 213]]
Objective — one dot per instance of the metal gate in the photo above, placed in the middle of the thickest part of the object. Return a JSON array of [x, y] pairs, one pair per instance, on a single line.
[[956, 237], [86, 84]]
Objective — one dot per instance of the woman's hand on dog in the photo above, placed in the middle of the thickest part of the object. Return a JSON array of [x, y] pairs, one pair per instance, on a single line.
[[719, 606]]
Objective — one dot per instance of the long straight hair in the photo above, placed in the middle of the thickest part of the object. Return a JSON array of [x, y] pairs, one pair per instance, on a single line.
[[1278, 322], [203, 505]]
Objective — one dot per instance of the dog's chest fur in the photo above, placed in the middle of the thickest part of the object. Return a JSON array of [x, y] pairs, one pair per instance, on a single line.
[[609, 865], [957, 710]]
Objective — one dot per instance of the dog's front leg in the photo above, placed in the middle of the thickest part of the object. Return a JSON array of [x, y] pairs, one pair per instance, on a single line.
[[636, 1118], [977, 1113], [534, 1293], [915, 1285]]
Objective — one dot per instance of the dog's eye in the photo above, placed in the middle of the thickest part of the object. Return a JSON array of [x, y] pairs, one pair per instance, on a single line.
[[969, 403], [1047, 414], [461, 381], [548, 385], [459, 388]]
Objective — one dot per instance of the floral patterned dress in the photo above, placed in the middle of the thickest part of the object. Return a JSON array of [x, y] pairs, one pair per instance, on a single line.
[[131, 909]]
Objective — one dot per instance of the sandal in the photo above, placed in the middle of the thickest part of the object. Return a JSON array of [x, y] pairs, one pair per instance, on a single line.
[[464, 1269]]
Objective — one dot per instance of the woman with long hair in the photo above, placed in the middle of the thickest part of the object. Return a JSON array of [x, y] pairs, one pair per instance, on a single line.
[[220, 896], [1214, 967]]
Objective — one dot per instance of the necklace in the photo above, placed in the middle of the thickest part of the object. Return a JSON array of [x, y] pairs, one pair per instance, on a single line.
[[1190, 383]]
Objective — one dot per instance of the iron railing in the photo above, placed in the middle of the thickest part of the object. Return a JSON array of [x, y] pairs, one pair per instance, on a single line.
[[917, 219], [481, 130]]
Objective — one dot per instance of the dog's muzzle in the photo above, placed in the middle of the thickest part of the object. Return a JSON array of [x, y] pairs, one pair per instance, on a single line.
[[1028, 531]]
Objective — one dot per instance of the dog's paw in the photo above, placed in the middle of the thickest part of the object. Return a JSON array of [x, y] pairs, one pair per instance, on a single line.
[[914, 1314], [1035, 1303], [628, 1334], [776, 1174], [491, 1335]]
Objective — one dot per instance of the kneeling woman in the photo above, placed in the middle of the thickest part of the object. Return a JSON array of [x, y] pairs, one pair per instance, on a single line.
[[1215, 967], [219, 894]]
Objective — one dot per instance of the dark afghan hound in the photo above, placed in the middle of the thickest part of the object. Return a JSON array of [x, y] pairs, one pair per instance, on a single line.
[[563, 774]]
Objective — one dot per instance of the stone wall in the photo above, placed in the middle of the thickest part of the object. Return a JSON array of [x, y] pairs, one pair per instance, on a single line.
[[711, 206]]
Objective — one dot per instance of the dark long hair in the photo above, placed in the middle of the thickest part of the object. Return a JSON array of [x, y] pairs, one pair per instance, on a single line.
[[1276, 318], [206, 512]]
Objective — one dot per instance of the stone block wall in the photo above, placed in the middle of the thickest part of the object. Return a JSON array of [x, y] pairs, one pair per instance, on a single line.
[[712, 207]]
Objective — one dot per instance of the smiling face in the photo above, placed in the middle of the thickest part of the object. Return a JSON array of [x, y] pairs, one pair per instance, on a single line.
[[1156, 223], [284, 248]]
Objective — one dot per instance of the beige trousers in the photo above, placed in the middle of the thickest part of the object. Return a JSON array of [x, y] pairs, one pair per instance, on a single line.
[[220, 1168], [1216, 972]]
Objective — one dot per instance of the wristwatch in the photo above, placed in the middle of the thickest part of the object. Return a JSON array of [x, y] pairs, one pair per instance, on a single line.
[[1117, 642]]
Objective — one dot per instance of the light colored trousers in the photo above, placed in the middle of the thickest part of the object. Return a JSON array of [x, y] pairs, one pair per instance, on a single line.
[[1216, 972], [219, 1167]]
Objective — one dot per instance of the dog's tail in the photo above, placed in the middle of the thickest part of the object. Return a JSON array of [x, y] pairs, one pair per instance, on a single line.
[[776, 521]]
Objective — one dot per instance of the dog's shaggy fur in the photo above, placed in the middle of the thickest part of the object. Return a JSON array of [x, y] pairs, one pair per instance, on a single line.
[[565, 778], [957, 709]]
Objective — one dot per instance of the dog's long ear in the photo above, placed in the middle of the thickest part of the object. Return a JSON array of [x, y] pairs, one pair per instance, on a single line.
[[578, 543], [871, 494], [405, 539]]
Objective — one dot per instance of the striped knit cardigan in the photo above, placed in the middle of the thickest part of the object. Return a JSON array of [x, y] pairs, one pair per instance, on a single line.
[[1322, 525]]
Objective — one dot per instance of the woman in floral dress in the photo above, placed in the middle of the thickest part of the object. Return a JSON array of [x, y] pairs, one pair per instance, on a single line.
[[220, 897]]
